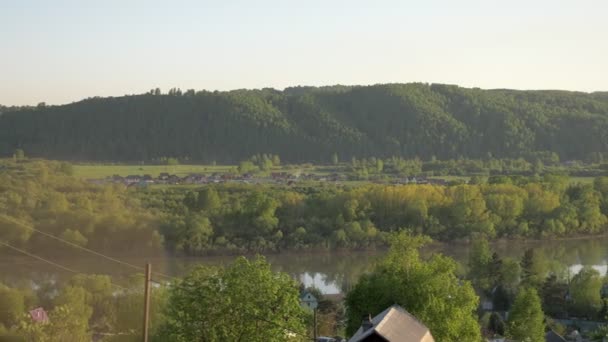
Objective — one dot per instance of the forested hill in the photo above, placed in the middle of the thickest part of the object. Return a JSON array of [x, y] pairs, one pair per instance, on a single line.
[[311, 124]]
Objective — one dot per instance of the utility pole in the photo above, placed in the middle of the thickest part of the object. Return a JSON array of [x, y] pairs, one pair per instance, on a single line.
[[147, 301], [314, 327]]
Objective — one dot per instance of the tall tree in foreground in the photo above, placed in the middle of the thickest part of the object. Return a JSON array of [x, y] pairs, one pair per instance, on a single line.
[[533, 269], [429, 290], [526, 317], [245, 301], [480, 259], [585, 289]]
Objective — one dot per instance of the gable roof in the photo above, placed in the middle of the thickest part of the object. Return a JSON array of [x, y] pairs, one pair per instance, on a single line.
[[305, 294], [552, 336], [395, 325]]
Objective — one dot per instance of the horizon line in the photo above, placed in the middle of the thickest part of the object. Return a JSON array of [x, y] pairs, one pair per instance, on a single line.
[[299, 86]]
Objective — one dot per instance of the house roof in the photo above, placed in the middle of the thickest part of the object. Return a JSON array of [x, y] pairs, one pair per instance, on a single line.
[[395, 325], [552, 336], [306, 293]]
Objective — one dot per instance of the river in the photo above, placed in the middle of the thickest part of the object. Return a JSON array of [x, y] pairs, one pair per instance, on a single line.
[[331, 272]]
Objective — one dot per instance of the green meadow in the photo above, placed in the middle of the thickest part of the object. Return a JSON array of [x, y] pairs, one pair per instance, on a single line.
[[97, 171]]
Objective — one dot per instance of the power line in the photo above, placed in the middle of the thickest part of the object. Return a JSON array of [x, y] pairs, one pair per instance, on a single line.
[[123, 288], [22, 224], [139, 268], [49, 261], [39, 258]]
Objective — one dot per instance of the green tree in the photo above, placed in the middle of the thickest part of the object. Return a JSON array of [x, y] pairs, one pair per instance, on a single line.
[[247, 166], [19, 154], [99, 296], [533, 269], [208, 200], [468, 213], [334, 159], [510, 274], [172, 161], [276, 160], [65, 325], [601, 186], [67, 168], [265, 163], [245, 301], [585, 290], [496, 324], [480, 258], [68, 321], [526, 317], [429, 290], [379, 165], [195, 234], [554, 295], [129, 306], [12, 305]]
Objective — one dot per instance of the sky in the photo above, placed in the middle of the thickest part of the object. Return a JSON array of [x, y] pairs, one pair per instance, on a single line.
[[63, 51]]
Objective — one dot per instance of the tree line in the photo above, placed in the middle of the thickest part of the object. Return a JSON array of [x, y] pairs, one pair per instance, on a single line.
[[315, 124], [41, 196], [239, 218], [38, 197]]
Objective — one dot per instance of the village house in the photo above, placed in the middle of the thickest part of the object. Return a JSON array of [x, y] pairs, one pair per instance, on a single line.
[[392, 325], [308, 301], [132, 179]]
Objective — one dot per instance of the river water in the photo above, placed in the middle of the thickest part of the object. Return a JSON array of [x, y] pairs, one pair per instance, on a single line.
[[331, 272]]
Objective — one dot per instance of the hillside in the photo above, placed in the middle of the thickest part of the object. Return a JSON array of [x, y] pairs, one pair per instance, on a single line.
[[310, 124]]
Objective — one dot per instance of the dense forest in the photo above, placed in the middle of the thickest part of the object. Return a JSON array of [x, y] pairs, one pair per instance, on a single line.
[[252, 218], [41, 196], [315, 124]]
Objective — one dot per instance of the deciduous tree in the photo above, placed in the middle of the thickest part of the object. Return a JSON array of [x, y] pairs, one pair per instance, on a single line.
[[246, 301], [429, 290], [526, 317]]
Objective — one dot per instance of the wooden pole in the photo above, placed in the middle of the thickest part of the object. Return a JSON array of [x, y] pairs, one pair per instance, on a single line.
[[314, 328], [147, 301]]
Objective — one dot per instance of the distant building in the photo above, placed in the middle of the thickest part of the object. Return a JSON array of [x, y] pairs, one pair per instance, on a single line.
[[39, 315], [308, 301], [392, 325]]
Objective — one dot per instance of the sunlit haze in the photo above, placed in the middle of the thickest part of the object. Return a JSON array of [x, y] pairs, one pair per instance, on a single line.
[[63, 51]]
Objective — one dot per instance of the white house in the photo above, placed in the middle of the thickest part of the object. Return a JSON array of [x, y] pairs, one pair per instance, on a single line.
[[308, 301]]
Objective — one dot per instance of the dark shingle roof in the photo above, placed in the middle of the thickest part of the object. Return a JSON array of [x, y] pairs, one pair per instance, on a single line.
[[552, 336]]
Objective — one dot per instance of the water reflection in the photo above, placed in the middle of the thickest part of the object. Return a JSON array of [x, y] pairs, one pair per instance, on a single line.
[[330, 272], [321, 282]]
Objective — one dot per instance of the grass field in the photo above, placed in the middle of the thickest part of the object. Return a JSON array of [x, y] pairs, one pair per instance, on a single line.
[[584, 180], [98, 171]]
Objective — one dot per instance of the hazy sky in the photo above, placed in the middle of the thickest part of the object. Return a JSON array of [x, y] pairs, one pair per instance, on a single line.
[[62, 51]]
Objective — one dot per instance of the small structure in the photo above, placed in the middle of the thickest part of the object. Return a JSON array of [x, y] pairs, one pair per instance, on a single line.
[[392, 325], [308, 301], [38, 315]]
